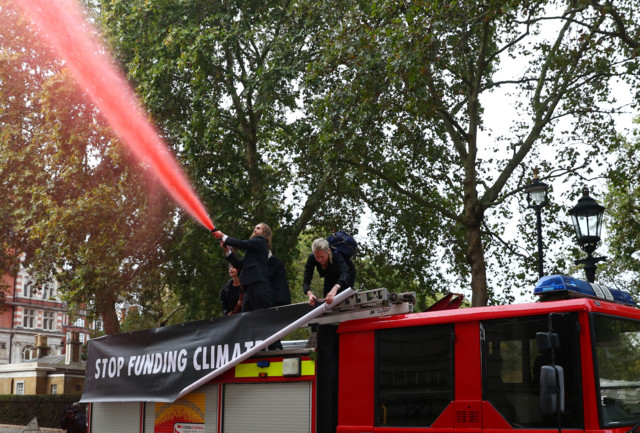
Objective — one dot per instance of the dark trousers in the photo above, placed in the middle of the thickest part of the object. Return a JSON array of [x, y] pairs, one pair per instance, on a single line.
[[257, 296]]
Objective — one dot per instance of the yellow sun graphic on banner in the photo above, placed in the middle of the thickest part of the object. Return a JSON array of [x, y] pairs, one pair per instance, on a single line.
[[185, 413]]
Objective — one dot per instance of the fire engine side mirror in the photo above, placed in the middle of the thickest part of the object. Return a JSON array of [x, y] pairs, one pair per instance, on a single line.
[[551, 389], [547, 341]]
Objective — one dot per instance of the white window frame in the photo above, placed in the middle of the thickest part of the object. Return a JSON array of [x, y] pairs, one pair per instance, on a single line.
[[30, 289], [48, 320], [97, 325], [28, 318], [47, 291], [27, 353], [19, 387]]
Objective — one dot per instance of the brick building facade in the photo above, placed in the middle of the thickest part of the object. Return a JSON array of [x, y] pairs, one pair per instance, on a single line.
[[35, 338]]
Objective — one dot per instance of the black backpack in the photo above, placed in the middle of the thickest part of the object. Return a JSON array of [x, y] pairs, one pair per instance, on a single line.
[[343, 243]]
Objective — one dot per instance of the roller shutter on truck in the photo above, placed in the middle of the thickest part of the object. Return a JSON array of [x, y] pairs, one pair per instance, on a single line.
[[115, 417], [267, 407]]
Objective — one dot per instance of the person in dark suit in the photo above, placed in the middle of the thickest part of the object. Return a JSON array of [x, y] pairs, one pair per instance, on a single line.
[[253, 265], [277, 275], [331, 266], [280, 294]]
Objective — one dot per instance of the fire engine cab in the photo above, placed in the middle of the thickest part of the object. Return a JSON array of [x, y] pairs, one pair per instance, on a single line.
[[568, 362]]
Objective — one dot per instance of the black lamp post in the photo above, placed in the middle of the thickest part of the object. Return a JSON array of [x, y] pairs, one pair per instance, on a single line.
[[537, 199], [587, 222]]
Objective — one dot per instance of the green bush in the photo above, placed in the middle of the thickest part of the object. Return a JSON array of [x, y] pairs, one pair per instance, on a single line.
[[20, 409]]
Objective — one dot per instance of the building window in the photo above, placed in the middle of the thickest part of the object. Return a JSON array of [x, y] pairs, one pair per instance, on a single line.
[[97, 325], [29, 318], [48, 321], [414, 375], [54, 389], [20, 388], [81, 337], [79, 322], [47, 291], [30, 289], [27, 353]]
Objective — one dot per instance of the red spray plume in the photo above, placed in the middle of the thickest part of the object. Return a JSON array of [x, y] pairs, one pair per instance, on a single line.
[[62, 24]]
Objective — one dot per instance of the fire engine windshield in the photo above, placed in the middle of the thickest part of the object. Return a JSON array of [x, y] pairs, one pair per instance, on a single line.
[[617, 359]]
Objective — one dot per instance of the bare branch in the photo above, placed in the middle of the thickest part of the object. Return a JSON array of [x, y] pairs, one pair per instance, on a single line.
[[393, 184], [506, 244], [618, 21]]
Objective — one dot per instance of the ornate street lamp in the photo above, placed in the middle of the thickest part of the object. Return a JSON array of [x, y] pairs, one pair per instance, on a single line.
[[537, 199], [587, 222]]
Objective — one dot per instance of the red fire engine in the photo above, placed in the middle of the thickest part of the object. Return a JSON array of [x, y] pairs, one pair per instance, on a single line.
[[571, 363]]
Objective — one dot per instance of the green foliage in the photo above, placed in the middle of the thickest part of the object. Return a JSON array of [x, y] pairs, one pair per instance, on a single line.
[[622, 203], [412, 80], [303, 115], [222, 80], [154, 309], [19, 82], [79, 210], [21, 409]]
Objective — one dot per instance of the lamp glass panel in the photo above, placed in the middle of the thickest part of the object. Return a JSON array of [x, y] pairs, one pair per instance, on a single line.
[[583, 222], [576, 225], [587, 225], [595, 225], [537, 196]]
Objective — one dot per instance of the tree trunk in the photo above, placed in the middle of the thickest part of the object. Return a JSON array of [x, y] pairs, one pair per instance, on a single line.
[[109, 316], [473, 216], [475, 258]]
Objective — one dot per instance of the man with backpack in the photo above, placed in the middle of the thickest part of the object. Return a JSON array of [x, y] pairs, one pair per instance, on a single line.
[[338, 272]]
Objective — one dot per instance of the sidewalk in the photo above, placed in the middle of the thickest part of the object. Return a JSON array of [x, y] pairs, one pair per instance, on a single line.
[[18, 429]]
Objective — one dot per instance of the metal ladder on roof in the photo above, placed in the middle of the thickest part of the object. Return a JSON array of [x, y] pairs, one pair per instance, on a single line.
[[369, 303], [381, 302]]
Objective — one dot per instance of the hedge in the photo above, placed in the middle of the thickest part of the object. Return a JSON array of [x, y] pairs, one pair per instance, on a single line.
[[20, 409]]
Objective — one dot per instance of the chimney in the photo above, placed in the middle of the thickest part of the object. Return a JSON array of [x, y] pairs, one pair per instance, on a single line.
[[72, 354], [41, 346]]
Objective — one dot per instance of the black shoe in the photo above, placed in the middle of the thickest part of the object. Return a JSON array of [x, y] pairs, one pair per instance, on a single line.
[[275, 346]]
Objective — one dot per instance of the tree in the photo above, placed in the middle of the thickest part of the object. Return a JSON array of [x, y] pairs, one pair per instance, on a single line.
[[622, 199], [80, 211], [622, 206], [412, 79], [221, 79], [14, 82]]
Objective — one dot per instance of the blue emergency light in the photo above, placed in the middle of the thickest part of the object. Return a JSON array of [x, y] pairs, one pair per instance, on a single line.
[[554, 286]]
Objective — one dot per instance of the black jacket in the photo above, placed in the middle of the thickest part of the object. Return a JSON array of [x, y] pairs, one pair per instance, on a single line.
[[339, 270], [229, 295], [280, 294], [277, 274], [253, 266]]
